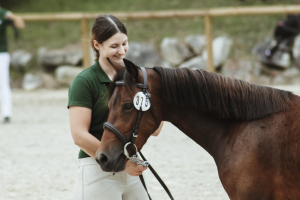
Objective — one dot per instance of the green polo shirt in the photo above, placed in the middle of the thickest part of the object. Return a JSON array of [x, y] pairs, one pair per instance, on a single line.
[[89, 89], [3, 24]]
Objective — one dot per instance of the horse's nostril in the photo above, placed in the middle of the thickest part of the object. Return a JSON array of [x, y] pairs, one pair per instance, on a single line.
[[102, 159]]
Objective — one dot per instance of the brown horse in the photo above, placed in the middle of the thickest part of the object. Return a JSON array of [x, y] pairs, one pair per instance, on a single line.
[[251, 131]]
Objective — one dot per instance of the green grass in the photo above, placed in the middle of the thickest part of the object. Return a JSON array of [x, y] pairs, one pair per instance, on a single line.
[[245, 30]]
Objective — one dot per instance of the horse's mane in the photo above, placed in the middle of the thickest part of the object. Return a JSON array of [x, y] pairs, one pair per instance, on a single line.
[[225, 97]]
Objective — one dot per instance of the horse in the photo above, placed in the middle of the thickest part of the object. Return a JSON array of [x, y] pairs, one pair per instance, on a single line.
[[251, 131]]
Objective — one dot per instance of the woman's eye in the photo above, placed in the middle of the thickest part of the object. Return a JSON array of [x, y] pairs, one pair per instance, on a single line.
[[114, 47], [128, 106]]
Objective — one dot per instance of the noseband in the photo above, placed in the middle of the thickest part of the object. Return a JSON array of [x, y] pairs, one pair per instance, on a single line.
[[130, 139]]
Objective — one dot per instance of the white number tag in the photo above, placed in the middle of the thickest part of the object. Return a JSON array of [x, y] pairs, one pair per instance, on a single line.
[[141, 101]]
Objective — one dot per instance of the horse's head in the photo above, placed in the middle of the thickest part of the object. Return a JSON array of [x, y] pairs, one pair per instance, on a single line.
[[123, 115]]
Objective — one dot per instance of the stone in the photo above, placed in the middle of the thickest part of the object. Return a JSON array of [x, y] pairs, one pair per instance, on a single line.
[[256, 70], [194, 63], [20, 59], [243, 69], [280, 59], [40, 53], [174, 52], [50, 57], [264, 80], [31, 82], [196, 43], [221, 50], [268, 71], [73, 57], [259, 49], [229, 68], [48, 81], [66, 74], [142, 55], [296, 50], [57, 57], [279, 80], [166, 64], [291, 73], [243, 75], [295, 81]]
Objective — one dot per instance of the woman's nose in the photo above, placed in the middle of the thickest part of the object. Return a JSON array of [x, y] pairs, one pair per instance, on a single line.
[[121, 50]]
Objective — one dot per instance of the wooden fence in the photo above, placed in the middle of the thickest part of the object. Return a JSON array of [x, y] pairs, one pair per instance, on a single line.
[[207, 14]]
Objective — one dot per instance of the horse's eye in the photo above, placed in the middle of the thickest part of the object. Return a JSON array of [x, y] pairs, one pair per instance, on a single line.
[[127, 106]]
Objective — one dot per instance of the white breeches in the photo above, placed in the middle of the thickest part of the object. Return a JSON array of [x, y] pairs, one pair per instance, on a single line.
[[5, 92], [92, 183]]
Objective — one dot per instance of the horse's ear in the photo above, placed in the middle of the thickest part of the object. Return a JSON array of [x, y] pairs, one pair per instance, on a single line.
[[116, 66], [132, 69]]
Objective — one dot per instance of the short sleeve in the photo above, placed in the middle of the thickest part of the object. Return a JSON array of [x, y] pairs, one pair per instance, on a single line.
[[6, 13], [80, 93]]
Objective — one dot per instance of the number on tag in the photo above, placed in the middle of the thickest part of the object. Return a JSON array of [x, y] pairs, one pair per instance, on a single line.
[[140, 101]]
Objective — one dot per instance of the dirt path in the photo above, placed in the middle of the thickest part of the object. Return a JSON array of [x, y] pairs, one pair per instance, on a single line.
[[39, 158]]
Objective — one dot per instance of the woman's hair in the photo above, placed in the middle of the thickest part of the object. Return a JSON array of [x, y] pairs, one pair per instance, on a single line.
[[105, 26]]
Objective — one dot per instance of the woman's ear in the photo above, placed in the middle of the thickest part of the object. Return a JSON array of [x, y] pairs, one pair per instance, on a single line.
[[96, 45], [132, 69]]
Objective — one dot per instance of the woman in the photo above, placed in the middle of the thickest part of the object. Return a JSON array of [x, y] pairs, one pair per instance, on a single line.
[[89, 110], [6, 17]]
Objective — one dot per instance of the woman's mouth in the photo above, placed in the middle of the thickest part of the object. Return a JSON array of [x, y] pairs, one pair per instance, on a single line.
[[118, 57]]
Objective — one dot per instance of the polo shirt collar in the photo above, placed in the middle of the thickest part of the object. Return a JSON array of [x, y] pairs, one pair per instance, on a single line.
[[101, 75]]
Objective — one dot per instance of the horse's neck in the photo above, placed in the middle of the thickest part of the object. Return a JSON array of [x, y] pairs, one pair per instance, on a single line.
[[205, 129]]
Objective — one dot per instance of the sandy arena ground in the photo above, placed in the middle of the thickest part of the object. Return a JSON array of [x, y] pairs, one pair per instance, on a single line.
[[39, 158]]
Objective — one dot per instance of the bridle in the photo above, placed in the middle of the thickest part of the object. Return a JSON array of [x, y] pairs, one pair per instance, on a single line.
[[130, 139]]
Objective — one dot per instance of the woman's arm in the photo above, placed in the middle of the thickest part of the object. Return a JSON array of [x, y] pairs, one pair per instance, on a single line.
[[158, 130], [18, 21], [80, 120]]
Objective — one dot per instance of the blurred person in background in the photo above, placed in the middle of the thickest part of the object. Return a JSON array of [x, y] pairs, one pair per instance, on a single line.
[[6, 18], [88, 110], [284, 34]]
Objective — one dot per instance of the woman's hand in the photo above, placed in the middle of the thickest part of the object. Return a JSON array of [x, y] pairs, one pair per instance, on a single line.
[[159, 129], [134, 169], [18, 21]]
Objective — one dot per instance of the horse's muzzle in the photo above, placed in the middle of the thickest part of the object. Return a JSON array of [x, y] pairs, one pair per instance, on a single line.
[[111, 164]]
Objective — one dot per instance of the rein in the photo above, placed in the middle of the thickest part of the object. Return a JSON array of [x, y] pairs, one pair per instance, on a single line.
[[143, 99]]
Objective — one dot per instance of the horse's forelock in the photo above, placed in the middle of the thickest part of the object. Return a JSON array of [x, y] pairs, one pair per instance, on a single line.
[[121, 77]]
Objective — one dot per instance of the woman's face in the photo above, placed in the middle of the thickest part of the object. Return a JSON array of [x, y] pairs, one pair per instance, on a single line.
[[115, 48]]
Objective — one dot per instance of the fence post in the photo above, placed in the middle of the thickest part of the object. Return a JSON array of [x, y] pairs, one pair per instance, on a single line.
[[209, 41], [85, 43]]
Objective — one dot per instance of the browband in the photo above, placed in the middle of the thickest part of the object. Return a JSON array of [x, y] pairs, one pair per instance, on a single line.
[[139, 85]]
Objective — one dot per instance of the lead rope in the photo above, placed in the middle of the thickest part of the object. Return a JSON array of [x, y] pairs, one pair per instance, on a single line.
[[144, 184], [158, 178]]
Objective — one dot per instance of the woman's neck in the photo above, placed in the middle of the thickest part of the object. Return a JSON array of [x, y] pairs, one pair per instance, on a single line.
[[107, 68]]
